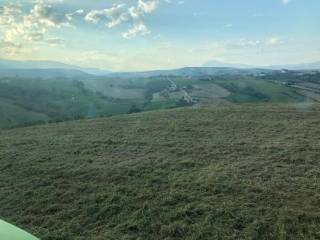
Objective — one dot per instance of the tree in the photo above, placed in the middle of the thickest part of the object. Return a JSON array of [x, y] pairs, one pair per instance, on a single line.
[[134, 109]]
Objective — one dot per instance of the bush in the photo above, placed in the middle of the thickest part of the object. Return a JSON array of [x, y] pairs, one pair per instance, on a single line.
[[134, 109]]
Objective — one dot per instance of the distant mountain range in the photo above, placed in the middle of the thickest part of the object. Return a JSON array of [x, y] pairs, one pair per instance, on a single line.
[[45, 65], [214, 63], [51, 69], [304, 66], [189, 72], [44, 73]]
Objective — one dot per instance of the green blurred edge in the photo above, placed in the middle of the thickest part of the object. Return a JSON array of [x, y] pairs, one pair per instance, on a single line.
[[10, 232]]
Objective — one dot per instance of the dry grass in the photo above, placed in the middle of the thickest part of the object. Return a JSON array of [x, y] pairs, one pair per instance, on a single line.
[[235, 172]]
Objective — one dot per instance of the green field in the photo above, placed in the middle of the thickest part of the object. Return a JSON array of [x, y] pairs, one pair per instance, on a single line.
[[32, 101], [12, 115], [255, 90], [233, 172]]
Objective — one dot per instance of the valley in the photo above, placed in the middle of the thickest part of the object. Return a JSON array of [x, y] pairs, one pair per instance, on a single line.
[[61, 98]]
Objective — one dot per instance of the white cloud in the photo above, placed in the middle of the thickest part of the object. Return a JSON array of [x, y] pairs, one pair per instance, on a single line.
[[20, 27], [9, 48], [273, 41], [78, 12], [138, 28], [244, 42], [285, 2], [147, 6], [25, 28], [121, 13], [252, 43], [114, 16]]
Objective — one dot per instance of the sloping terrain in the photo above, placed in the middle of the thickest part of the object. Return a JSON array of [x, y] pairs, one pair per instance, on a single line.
[[12, 115], [236, 172], [60, 99], [32, 101]]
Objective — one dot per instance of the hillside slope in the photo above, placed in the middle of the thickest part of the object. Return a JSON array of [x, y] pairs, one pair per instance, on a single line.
[[13, 115], [60, 99], [33, 101], [236, 172], [34, 66]]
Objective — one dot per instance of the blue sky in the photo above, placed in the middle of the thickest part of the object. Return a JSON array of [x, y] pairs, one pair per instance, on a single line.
[[132, 35]]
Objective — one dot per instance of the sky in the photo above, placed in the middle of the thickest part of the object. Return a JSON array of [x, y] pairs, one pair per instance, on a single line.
[[136, 35]]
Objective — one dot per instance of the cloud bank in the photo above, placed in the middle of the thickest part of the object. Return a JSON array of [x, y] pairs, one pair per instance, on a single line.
[[20, 27], [122, 13]]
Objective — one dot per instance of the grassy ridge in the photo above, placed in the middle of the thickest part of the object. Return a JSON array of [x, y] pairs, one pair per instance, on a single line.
[[12, 115], [236, 172], [53, 100], [253, 90]]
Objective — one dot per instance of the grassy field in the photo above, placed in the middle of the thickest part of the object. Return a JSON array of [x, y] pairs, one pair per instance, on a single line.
[[12, 115], [253, 90], [30, 101], [233, 172]]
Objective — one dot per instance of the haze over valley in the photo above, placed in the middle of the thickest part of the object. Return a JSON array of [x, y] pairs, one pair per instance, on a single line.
[[57, 92]]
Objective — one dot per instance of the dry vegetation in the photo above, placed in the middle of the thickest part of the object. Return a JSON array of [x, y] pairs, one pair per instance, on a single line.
[[235, 172]]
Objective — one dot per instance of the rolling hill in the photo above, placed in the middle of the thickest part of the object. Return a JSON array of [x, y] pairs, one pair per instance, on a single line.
[[190, 72], [214, 63], [26, 101], [13, 115], [233, 172], [58, 69], [301, 66], [33, 100], [12, 64], [44, 73], [7, 65]]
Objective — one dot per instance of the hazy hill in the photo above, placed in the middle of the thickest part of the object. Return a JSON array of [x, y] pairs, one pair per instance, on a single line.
[[190, 72], [39, 71], [303, 66], [44, 73], [237, 172], [12, 64], [214, 63], [45, 65], [25, 100], [9, 67]]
